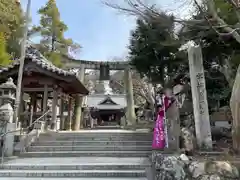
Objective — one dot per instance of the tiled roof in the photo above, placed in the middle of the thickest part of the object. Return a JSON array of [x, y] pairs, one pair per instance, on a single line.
[[35, 56], [95, 99]]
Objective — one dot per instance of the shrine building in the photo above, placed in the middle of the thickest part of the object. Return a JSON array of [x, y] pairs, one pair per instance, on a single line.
[[49, 89], [108, 109]]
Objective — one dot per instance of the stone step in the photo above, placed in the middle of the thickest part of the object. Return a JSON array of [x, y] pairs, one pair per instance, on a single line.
[[108, 126], [96, 138], [87, 154], [91, 143], [56, 167], [86, 178], [96, 134], [89, 148], [72, 173], [102, 132]]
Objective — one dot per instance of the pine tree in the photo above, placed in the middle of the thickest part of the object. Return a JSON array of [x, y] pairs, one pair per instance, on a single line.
[[53, 43], [4, 56], [154, 49]]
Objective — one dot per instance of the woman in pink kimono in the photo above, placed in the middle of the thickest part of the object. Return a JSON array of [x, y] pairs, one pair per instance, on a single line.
[[160, 140]]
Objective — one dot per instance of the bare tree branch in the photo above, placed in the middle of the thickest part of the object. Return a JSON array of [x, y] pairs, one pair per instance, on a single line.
[[140, 9], [220, 21]]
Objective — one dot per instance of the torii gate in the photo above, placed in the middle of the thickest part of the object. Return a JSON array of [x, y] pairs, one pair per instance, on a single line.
[[104, 68]]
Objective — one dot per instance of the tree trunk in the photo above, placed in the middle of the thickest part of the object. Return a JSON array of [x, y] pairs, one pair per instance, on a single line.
[[228, 72], [151, 96], [235, 108]]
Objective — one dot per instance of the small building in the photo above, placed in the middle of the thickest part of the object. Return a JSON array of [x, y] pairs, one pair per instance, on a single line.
[[43, 81], [107, 109]]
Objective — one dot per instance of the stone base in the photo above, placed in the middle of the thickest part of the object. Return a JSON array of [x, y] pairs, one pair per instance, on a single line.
[[9, 139], [130, 127]]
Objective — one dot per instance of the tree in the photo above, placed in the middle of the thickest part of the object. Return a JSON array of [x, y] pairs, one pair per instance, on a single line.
[[219, 57], [53, 43], [154, 49], [4, 56], [221, 46], [141, 88], [217, 20], [11, 21], [226, 16]]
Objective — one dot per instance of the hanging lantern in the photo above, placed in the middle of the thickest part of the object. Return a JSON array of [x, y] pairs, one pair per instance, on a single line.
[[104, 72]]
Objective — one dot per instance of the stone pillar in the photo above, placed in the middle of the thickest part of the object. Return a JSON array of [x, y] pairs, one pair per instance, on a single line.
[[78, 123], [54, 110], [130, 114], [199, 96], [9, 139], [173, 119]]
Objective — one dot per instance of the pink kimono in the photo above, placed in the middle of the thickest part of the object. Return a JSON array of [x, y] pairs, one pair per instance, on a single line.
[[160, 133]]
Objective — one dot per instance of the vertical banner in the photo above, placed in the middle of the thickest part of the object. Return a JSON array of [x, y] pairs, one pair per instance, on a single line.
[[104, 72]]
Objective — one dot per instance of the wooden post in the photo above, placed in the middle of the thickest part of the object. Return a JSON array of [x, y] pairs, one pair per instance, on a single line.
[[41, 100], [54, 110], [21, 110], [34, 102], [69, 121], [61, 114], [32, 108], [45, 100]]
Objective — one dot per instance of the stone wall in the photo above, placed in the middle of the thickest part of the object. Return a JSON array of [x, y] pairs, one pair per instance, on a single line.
[[181, 167]]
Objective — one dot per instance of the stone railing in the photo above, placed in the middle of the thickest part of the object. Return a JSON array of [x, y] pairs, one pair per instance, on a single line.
[[27, 139]]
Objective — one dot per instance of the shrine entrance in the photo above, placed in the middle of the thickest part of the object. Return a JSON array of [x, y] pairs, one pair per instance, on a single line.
[[104, 67], [109, 117], [105, 110]]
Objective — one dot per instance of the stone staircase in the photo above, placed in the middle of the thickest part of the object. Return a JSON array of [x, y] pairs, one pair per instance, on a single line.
[[84, 155]]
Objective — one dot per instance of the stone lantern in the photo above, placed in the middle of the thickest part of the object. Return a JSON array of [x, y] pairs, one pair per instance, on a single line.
[[7, 97]]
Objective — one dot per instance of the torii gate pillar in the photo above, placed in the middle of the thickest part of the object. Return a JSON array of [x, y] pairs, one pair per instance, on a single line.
[[78, 124], [130, 113]]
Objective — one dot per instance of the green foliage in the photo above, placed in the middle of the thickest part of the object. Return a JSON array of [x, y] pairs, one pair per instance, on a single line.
[[154, 49], [4, 56], [10, 16], [53, 43], [226, 11], [55, 58], [11, 21], [216, 49]]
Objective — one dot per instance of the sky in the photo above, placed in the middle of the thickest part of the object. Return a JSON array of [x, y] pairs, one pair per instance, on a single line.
[[102, 32]]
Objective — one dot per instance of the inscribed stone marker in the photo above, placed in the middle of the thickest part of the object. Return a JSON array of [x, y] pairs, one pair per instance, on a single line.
[[199, 96]]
